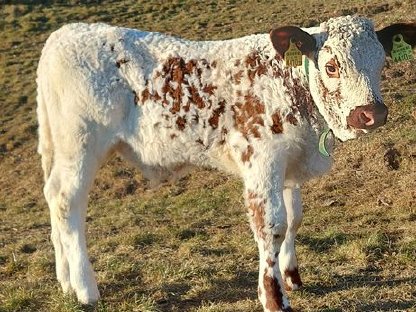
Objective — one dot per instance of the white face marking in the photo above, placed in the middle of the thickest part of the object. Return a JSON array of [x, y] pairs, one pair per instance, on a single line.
[[348, 72]]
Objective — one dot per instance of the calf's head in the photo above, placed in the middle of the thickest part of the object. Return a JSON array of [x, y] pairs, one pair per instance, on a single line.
[[347, 56]]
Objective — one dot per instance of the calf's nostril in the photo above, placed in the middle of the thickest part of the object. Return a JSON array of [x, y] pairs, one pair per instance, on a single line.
[[366, 118]]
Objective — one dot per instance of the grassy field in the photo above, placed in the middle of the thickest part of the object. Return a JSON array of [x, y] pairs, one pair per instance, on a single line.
[[188, 246]]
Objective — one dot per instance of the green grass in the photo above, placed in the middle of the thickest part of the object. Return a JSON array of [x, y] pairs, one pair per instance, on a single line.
[[188, 246]]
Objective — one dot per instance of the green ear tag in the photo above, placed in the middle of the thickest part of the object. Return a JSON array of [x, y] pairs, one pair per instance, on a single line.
[[401, 51], [322, 148], [293, 56]]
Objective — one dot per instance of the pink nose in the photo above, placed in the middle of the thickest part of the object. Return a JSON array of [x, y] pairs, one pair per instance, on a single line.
[[369, 116]]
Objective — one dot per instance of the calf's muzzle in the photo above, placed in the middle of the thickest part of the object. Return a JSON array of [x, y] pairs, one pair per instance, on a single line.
[[368, 117]]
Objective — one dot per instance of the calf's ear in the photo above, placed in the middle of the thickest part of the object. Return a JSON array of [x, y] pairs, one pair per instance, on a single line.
[[385, 35], [282, 36]]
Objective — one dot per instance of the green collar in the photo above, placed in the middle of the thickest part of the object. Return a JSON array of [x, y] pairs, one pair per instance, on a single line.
[[306, 67], [321, 146]]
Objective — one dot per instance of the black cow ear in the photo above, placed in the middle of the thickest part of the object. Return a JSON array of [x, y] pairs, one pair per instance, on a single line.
[[282, 36], [385, 35]]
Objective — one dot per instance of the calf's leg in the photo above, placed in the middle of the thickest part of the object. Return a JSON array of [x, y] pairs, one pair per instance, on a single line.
[[66, 192], [267, 214], [287, 256]]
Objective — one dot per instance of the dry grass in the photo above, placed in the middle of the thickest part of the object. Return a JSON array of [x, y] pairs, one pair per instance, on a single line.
[[187, 247]]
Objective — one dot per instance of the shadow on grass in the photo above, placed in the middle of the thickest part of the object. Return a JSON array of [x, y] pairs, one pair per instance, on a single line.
[[244, 286], [323, 244], [180, 296], [347, 282], [240, 287]]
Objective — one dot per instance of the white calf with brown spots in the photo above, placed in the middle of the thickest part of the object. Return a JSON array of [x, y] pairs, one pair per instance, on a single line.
[[169, 104]]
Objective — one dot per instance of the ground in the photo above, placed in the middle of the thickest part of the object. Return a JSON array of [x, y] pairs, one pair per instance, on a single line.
[[188, 246]]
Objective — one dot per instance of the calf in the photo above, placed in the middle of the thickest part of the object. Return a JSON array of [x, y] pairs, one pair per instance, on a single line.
[[168, 104]]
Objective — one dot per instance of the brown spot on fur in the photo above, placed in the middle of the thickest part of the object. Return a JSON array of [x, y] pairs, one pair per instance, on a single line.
[[175, 74], [172, 136], [245, 157], [256, 207], [214, 64], [290, 118], [145, 95], [175, 71], [191, 66], [248, 116], [181, 122], [237, 77], [294, 277], [237, 63], [121, 62], [270, 262], [214, 119], [255, 66], [196, 98], [277, 126], [209, 89], [274, 295], [301, 99]]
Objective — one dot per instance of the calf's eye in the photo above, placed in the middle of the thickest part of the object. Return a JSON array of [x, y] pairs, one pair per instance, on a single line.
[[332, 70]]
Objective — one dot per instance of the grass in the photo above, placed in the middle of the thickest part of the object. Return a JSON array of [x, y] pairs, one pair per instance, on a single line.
[[187, 246]]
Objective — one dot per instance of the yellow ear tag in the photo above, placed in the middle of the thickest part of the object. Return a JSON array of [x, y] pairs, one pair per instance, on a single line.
[[401, 51], [293, 56]]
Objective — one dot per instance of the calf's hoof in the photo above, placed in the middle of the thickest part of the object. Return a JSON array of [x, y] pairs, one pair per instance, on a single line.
[[292, 279]]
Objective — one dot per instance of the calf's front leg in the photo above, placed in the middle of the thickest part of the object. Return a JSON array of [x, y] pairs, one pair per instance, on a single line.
[[287, 256], [267, 214]]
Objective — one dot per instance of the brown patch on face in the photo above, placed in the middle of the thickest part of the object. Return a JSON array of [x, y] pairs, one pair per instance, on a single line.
[[245, 157], [181, 122], [274, 295], [290, 118], [248, 116], [121, 62], [257, 208], [294, 277], [277, 126], [214, 119]]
